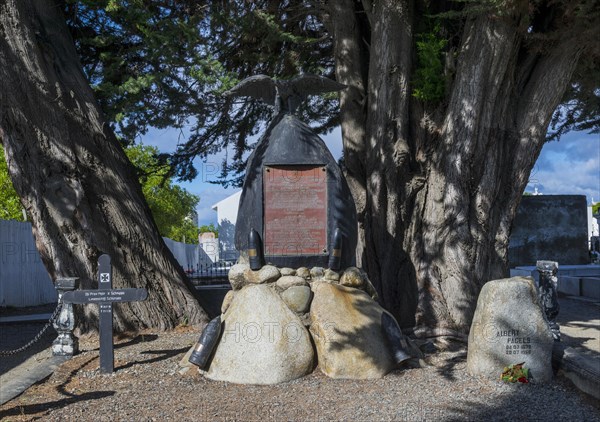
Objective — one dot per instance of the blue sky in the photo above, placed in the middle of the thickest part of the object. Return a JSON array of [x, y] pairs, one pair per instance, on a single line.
[[569, 166]]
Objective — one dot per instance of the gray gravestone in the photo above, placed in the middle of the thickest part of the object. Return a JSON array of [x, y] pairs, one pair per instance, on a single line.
[[509, 327], [105, 296]]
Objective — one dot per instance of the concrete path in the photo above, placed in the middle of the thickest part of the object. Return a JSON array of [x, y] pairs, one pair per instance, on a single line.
[[577, 356], [21, 370], [25, 318], [33, 370]]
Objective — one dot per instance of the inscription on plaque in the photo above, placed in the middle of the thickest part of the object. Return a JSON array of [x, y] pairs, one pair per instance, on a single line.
[[295, 210], [515, 344]]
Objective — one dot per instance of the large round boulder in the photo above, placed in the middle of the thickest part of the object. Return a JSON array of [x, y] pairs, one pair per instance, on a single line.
[[346, 328], [263, 341]]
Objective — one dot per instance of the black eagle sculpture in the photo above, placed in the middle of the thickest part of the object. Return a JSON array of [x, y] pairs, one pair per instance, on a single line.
[[289, 143], [284, 95]]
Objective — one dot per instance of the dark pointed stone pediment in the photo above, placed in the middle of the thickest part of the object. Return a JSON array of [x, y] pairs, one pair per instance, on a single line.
[[295, 196]]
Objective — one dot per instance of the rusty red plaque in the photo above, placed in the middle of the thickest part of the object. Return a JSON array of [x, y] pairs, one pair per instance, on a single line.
[[295, 210]]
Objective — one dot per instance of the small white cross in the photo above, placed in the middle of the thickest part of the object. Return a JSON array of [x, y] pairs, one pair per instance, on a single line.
[[104, 278]]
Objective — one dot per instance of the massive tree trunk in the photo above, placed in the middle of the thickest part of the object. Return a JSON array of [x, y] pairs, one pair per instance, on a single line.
[[437, 187], [73, 178]]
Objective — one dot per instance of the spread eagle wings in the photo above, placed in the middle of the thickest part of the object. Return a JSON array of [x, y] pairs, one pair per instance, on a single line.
[[267, 89], [313, 84], [261, 87]]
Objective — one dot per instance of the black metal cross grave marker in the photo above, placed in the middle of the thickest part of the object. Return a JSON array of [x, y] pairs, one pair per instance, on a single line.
[[105, 296]]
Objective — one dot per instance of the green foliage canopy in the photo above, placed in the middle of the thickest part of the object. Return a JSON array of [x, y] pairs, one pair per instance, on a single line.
[[209, 228], [165, 64], [171, 205], [10, 205], [429, 82]]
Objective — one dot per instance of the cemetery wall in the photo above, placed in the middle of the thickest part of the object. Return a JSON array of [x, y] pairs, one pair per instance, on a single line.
[[188, 256], [550, 227], [23, 278], [227, 210]]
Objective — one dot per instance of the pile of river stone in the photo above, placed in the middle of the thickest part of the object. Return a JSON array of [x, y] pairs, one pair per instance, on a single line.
[[278, 323]]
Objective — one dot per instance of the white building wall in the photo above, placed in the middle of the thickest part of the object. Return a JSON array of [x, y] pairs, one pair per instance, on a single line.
[[227, 210], [186, 254], [593, 229]]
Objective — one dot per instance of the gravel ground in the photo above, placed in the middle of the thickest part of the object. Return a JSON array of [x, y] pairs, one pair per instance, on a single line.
[[147, 386]]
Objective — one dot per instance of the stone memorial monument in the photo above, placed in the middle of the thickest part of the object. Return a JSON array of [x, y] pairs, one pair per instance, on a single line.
[[297, 299], [509, 327], [295, 195]]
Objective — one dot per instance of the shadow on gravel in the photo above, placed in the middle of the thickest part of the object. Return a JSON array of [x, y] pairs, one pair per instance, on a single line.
[[140, 338], [69, 398], [583, 324], [44, 407], [164, 354], [446, 370], [525, 402], [576, 342]]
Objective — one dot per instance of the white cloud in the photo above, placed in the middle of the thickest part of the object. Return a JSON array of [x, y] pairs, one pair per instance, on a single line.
[[570, 166]]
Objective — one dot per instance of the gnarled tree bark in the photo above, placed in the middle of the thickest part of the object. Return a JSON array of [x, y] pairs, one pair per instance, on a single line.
[[74, 180], [441, 185]]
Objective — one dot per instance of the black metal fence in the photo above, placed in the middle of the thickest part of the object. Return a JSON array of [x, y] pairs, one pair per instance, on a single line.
[[212, 273]]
